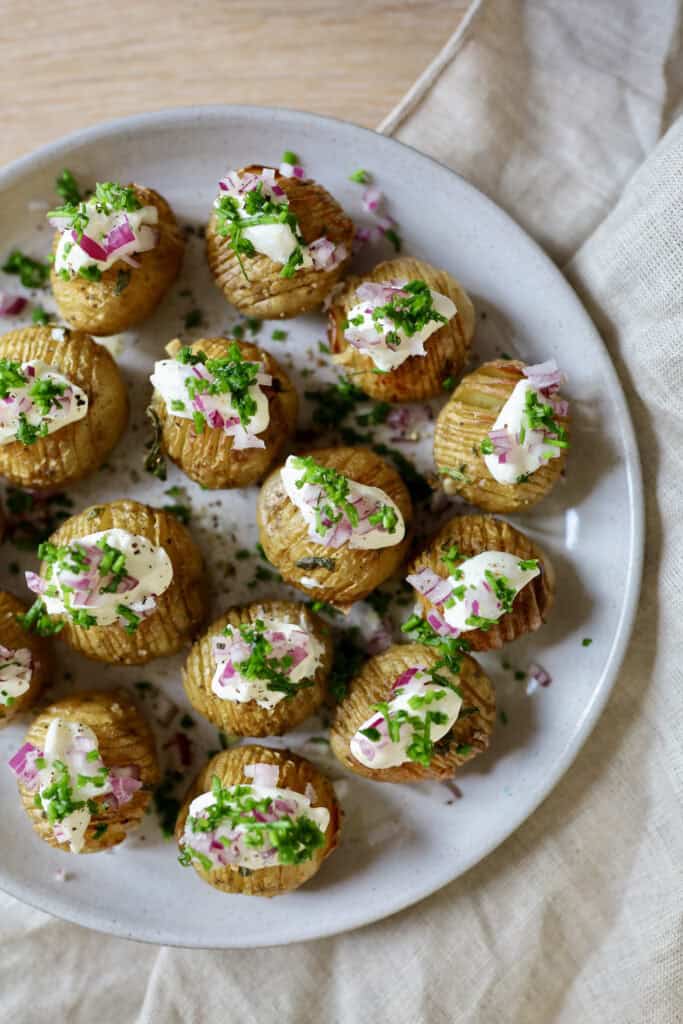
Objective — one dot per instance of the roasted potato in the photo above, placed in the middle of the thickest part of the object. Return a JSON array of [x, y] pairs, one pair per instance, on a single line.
[[33, 653], [124, 295], [124, 741], [259, 289], [472, 535], [210, 457], [180, 608], [464, 424], [249, 718], [294, 773], [468, 736], [79, 447], [339, 575], [419, 376]]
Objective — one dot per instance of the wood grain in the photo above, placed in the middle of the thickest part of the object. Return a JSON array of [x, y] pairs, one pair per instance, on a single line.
[[68, 65]]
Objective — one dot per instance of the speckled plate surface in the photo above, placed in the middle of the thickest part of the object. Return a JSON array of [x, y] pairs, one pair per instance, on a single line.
[[399, 843]]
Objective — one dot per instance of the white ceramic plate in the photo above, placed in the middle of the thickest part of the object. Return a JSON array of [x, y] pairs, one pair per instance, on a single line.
[[400, 843]]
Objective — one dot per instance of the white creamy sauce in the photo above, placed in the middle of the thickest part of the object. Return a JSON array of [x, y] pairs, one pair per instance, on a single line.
[[370, 335], [70, 256], [523, 458], [478, 597], [16, 668], [149, 565], [254, 857], [240, 690], [373, 538], [276, 241], [384, 752], [169, 379], [70, 743], [69, 407]]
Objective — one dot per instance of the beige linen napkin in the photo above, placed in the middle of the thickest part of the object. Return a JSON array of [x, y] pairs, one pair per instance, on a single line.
[[549, 107]]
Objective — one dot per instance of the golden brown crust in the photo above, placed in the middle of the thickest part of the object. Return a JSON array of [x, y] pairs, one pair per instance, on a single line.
[[469, 736], [79, 448], [180, 610], [102, 307], [266, 294], [124, 739], [249, 719], [462, 425], [419, 377], [209, 457], [472, 535], [295, 773], [284, 532], [15, 637]]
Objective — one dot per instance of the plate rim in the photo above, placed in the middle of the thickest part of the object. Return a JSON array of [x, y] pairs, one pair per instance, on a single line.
[[30, 162]]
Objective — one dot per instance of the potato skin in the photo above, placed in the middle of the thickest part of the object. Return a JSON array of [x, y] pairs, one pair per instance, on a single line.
[[180, 610], [295, 773], [373, 684], [472, 535], [80, 448], [14, 636], [209, 458], [249, 719], [462, 425], [97, 307], [284, 533], [266, 294], [419, 377], [124, 738]]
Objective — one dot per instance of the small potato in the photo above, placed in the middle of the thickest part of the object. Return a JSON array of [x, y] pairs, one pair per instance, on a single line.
[[469, 735], [294, 773], [462, 425], [210, 457], [419, 377], [14, 638], [355, 572], [261, 290], [79, 448], [125, 295], [472, 535], [124, 740], [180, 609], [248, 718]]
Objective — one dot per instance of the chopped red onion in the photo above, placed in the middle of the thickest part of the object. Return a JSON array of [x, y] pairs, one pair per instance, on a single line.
[[120, 235], [372, 197], [11, 305], [539, 674], [544, 376], [432, 586], [35, 583], [23, 764], [89, 246]]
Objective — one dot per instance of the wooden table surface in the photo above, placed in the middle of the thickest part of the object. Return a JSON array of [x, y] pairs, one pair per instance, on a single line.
[[68, 65]]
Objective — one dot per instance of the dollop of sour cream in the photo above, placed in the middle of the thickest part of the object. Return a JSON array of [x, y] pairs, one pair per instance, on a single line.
[[483, 587], [473, 592], [527, 449], [106, 231], [367, 501], [278, 241], [170, 379], [414, 695], [27, 403], [149, 572], [16, 668], [73, 745], [286, 639], [387, 344], [225, 845]]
